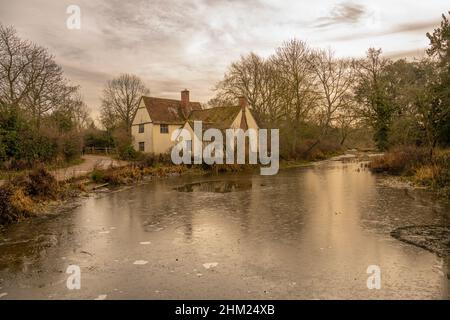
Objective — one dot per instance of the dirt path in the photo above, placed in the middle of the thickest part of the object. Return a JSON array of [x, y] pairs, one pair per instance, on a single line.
[[90, 162]]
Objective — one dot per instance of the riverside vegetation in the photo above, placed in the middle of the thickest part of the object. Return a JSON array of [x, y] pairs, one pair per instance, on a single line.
[[322, 105], [418, 167], [32, 192]]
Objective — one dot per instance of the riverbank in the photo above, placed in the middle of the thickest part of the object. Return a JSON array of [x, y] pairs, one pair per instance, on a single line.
[[38, 192], [189, 236], [414, 166]]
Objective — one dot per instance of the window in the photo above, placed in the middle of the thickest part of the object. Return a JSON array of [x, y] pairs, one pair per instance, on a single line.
[[163, 128], [141, 146], [141, 128]]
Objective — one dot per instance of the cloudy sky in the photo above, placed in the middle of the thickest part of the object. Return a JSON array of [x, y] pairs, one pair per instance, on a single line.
[[177, 44]]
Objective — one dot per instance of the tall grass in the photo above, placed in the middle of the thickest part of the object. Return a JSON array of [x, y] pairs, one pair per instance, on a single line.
[[20, 196], [417, 164]]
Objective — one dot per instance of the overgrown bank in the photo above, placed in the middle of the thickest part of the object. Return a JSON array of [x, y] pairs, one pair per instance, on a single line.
[[418, 166], [32, 192]]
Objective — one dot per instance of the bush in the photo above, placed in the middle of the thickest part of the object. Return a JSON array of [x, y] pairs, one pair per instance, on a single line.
[[42, 183], [401, 160], [416, 162], [98, 176], [124, 175], [127, 152], [71, 145], [34, 146], [3, 155], [442, 160], [147, 160], [436, 174], [14, 204], [94, 137]]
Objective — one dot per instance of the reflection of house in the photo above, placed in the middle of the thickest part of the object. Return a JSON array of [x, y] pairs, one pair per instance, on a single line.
[[157, 118]]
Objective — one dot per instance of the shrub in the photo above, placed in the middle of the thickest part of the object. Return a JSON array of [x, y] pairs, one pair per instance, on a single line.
[[127, 152], [42, 183], [34, 146], [165, 158], [401, 160], [147, 160], [71, 145], [3, 155], [442, 159], [98, 176], [426, 174], [124, 175], [14, 204], [94, 137]]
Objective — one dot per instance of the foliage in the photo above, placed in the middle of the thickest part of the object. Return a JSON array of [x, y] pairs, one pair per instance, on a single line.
[[401, 160], [97, 138], [41, 113], [14, 204], [416, 163], [19, 196], [312, 96], [97, 176], [42, 183]]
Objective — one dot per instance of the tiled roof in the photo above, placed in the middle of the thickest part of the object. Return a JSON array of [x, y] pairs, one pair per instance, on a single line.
[[219, 117], [168, 111]]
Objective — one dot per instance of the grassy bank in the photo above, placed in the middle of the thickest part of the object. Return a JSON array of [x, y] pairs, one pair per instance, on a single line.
[[418, 166], [32, 192]]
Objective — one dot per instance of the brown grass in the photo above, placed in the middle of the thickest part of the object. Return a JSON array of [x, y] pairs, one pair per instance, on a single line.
[[42, 184], [14, 204], [20, 196], [400, 161], [416, 163]]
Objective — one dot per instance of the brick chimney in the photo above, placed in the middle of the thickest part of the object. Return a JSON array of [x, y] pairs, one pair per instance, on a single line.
[[185, 99], [243, 102]]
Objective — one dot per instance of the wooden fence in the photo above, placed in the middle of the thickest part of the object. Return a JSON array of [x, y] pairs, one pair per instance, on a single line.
[[95, 150]]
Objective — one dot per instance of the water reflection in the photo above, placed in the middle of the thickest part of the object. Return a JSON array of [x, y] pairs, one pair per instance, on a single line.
[[304, 233], [219, 186]]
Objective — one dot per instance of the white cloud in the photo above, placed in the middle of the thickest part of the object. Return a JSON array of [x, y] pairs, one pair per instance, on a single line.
[[175, 44]]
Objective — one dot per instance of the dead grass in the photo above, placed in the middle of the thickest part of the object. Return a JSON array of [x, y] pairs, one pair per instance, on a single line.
[[42, 184], [427, 173], [416, 163], [400, 161], [21, 196], [14, 204]]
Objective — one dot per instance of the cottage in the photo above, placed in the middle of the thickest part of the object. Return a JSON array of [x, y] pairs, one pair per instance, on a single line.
[[157, 118]]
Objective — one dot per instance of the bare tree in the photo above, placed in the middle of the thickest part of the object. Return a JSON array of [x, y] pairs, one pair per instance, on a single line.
[[49, 90], [30, 79], [17, 61], [296, 83], [253, 78], [120, 100], [334, 80]]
